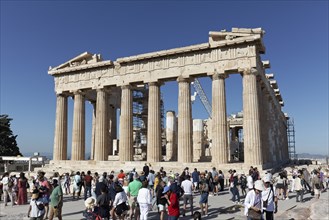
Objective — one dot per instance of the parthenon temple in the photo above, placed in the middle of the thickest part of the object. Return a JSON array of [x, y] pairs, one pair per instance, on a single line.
[[256, 136]]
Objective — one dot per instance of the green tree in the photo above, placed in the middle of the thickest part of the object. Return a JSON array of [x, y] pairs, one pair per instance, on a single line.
[[8, 144]]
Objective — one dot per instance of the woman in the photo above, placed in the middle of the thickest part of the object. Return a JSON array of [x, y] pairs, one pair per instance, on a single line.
[[36, 209], [161, 200], [77, 182], [120, 206], [280, 186], [22, 189], [173, 203], [67, 183], [253, 202], [144, 200]]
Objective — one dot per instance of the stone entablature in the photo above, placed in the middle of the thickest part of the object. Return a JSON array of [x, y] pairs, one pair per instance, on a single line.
[[219, 55]]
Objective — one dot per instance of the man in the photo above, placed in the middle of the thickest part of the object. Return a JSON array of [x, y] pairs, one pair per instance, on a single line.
[[56, 201], [195, 178], [146, 169], [87, 183], [188, 188], [269, 198], [7, 188], [133, 189], [204, 190], [215, 177], [121, 175]]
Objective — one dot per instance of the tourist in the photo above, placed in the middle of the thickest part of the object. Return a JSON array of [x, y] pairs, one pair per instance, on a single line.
[[67, 183], [173, 203], [151, 178], [44, 191], [269, 198], [280, 185], [250, 181], [316, 184], [188, 188], [144, 200], [307, 179], [36, 209], [103, 204], [253, 202], [119, 205], [133, 189], [99, 186], [7, 184], [221, 180], [195, 179], [56, 201], [131, 175], [197, 216], [76, 184], [82, 177], [243, 184], [142, 176], [210, 181], [204, 190], [161, 200], [215, 182], [22, 185], [298, 186], [14, 189], [87, 184], [234, 188], [121, 175], [146, 169]]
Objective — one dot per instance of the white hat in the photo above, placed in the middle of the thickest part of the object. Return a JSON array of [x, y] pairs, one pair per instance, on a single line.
[[259, 185], [90, 203], [267, 178]]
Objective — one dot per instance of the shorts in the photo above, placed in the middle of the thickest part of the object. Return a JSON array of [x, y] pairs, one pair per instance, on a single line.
[[204, 198], [161, 207], [195, 184], [279, 185], [316, 191], [188, 198], [133, 202]]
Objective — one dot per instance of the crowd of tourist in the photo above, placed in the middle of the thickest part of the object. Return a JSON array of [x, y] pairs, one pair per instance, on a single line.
[[132, 195]]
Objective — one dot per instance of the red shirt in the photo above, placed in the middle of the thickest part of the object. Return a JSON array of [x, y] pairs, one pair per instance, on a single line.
[[121, 175], [173, 208], [88, 180]]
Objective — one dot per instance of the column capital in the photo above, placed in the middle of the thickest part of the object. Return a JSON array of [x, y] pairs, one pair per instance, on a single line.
[[128, 86], [182, 79], [218, 76], [78, 92], [248, 71], [155, 83]]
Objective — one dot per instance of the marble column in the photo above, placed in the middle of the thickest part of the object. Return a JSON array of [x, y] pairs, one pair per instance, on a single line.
[[60, 140], [92, 150], [78, 131], [184, 121], [154, 124], [219, 150], [102, 126], [251, 119], [265, 125], [171, 133], [126, 125], [112, 127]]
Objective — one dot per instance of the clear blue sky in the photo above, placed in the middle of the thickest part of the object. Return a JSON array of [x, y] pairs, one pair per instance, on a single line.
[[39, 34]]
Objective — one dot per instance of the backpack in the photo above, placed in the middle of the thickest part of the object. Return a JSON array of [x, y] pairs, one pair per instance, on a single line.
[[10, 182]]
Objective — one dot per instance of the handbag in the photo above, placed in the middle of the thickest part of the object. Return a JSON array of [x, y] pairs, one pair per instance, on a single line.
[[254, 214]]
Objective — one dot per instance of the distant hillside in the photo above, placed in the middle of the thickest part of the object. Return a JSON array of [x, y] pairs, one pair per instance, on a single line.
[[312, 156]]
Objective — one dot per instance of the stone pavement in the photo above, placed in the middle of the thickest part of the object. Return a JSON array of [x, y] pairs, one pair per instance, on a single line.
[[220, 207]]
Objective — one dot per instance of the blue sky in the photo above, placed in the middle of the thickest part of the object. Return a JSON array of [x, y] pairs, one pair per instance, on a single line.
[[39, 34]]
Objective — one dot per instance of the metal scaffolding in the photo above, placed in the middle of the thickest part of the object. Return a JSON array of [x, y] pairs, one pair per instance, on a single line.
[[291, 138]]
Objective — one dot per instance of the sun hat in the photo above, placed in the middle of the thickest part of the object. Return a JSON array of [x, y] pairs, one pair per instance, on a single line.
[[166, 189], [259, 185], [90, 203], [267, 178]]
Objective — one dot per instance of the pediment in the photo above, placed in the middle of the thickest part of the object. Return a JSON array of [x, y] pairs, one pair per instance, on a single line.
[[82, 59]]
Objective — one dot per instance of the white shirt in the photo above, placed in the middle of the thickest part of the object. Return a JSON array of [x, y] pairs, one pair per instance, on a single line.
[[268, 193], [250, 182], [144, 196], [120, 198], [35, 212], [187, 186], [5, 180], [250, 201]]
